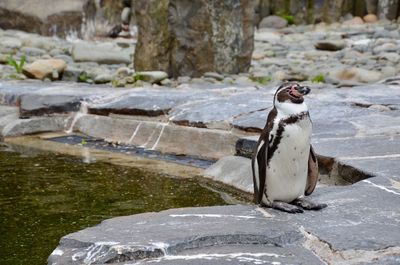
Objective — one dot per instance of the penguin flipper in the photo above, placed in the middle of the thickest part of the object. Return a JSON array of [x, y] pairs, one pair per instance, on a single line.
[[313, 172], [259, 171]]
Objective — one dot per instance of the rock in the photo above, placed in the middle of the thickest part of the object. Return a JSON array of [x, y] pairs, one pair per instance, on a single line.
[[40, 42], [34, 125], [124, 71], [183, 79], [355, 74], [279, 76], [3, 58], [41, 105], [385, 47], [234, 171], [372, 6], [390, 56], [191, 39], [32, 51], [41, 69], [387, 9], [330, 45], [388, 71], [10, 42], [152, 76], [102, 53], [166, 82], [71, 73], [370, 18], [354, 21], [274, 22], [215, 76], [103, 78], [47, 17], [379, 107], [65, 58]]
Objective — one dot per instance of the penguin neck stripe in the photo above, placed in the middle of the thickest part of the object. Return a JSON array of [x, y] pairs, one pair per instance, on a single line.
[[277, 139]]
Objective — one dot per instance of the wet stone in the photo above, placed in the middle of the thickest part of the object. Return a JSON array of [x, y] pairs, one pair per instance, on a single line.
[[152, 103], [39, 105]]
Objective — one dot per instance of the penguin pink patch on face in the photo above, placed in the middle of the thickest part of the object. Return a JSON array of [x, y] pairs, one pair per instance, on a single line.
[[294, 92]]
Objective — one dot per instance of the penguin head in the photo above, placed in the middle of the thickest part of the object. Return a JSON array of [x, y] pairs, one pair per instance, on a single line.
[[289, 97], [290, 92]]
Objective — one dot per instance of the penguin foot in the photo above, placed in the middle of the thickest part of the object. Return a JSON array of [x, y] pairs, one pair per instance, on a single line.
[[308, 205], [286, 207]]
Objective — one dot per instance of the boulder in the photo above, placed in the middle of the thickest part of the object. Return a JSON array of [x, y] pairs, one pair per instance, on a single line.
[[10, 42], [275, 22], [370, 18], [45, 68], [102, 53], [372, 6], [387, 9], [152, 76], [355, 74], [189, 38], [330, 45], [46, 17]]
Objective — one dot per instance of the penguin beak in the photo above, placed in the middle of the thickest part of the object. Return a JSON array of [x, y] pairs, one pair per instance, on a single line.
[[304, 90]]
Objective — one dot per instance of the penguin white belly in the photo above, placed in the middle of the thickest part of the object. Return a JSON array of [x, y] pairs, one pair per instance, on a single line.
[[287, 169]]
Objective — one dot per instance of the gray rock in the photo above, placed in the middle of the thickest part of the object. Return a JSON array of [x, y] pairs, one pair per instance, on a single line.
[[124, 72], [387, 9], [10, 42], [213, 75], [191, 39], [248, 230], [39, 105], [71, 73], [183, 79], [390, 56], [273, 21], [152, 76], [167, 82], [104, 53], [103, 78], [32, 51], [66, 58], [234, 171], [385, 47], [330, 45], [34, 125]]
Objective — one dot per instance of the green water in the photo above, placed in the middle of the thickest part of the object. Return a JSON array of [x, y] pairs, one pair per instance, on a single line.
[[46, 196]]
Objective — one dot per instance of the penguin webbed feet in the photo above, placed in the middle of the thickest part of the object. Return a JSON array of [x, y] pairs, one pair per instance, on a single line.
[[286, 207], [308, 205], [297, 206]]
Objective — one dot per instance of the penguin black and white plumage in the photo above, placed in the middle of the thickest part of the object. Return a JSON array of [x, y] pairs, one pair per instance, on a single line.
[[284, 164]]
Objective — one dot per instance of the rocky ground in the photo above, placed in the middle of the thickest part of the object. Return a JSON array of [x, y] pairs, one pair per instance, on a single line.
[[355, 112], [344, 54]]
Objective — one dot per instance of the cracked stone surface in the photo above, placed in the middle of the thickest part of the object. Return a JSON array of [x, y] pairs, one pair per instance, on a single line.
[[358, 127]]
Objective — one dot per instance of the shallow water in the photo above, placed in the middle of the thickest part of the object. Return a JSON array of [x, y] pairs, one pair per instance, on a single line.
[[46, 196]]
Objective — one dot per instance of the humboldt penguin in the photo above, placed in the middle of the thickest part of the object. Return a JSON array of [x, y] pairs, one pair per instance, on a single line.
[[284, 164]]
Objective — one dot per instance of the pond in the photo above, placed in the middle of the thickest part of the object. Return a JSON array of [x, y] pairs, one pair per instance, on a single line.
[[45, 196]]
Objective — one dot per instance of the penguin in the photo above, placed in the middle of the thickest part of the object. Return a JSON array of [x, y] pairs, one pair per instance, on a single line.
[[284, 163]]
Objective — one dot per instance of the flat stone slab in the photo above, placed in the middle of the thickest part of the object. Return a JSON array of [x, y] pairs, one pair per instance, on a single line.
[[359, 224]]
